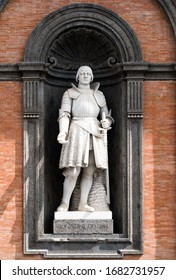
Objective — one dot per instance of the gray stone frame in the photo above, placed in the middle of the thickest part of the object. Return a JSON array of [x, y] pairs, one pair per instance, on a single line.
[[130, 72]]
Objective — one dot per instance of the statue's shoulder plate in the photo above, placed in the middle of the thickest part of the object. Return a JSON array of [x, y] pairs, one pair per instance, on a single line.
[[100, 99], [73, 93]]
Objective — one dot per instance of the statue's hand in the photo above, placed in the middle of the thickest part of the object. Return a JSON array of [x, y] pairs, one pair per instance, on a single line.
[[61, 138], [106, 123]]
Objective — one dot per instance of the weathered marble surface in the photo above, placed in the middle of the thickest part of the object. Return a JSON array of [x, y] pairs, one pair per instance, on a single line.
[[80, 215], [83, 226], [83, 123]]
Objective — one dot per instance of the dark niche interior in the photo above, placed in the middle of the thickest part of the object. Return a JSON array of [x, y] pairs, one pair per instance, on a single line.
[[64, 63], [82, 46]]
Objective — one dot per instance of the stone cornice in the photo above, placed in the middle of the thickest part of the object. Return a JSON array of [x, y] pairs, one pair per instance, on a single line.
[[9, 72], [19, 71], [148, 71], [152, 71]]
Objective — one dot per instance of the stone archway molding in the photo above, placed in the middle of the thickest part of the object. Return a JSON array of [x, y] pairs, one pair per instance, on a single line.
[[3, 3], [80, 15], [169, 7]]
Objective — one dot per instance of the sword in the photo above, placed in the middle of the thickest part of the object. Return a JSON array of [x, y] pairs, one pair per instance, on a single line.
[[105, 140]]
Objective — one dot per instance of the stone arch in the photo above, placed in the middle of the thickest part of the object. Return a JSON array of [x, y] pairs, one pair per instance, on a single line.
[[83, 15], [169, 7]]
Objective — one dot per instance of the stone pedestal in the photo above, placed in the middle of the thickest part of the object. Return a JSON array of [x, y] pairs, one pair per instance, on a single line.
[[78, 222]]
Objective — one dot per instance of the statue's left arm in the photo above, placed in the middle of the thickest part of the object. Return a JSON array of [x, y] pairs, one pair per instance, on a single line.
[[108, 120]]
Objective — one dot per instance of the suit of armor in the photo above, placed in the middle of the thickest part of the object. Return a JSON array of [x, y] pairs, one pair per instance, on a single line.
[[83, 132]]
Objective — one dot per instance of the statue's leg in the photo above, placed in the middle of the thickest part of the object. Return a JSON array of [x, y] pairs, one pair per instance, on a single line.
[[68, 187], [86, 184]]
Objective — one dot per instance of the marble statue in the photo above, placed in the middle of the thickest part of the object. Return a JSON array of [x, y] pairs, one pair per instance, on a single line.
[[82, 137]]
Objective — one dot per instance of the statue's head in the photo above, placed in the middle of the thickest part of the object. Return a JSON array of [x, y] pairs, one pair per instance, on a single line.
[[84, 73]]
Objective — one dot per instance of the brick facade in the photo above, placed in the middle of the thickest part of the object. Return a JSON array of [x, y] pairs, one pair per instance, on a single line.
[[156, 36]]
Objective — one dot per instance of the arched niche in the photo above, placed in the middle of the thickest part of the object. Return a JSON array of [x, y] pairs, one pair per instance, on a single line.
[[80, 15], [72, 36]]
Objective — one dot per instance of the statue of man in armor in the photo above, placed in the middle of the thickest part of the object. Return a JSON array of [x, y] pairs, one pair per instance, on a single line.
[[83, 148]]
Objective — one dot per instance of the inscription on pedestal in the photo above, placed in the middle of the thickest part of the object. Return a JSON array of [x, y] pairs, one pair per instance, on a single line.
[[83, 227]]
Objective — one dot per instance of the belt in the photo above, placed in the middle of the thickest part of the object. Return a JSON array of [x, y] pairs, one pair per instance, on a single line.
[[82, 118]]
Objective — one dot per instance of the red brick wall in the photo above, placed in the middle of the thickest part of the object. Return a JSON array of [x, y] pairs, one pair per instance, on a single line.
[[11, 168], [146, 17], [156, 37], [159, 169]]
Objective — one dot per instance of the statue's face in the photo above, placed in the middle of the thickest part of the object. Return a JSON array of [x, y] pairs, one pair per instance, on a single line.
[[85, 75]]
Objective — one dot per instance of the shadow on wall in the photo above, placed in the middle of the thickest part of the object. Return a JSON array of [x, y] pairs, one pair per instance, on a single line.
[[11, 210], [11, 200], [11, 179], [11, 169]]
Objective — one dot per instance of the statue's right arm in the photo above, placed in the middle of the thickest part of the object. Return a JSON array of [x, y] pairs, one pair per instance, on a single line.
[[64, 118]]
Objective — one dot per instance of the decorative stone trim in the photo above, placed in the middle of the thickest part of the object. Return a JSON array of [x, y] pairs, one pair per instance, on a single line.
[[31, 96], [135, 116], [31, 115], [150, 71], [135, 94]]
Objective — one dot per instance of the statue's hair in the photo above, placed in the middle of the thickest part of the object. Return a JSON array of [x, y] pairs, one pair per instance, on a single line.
[[79, 70]]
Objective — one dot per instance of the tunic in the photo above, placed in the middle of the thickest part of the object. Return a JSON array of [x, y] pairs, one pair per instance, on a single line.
[[84, 132]]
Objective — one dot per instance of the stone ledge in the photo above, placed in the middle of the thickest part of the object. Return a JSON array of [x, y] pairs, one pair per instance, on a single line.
[[78, 215]]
